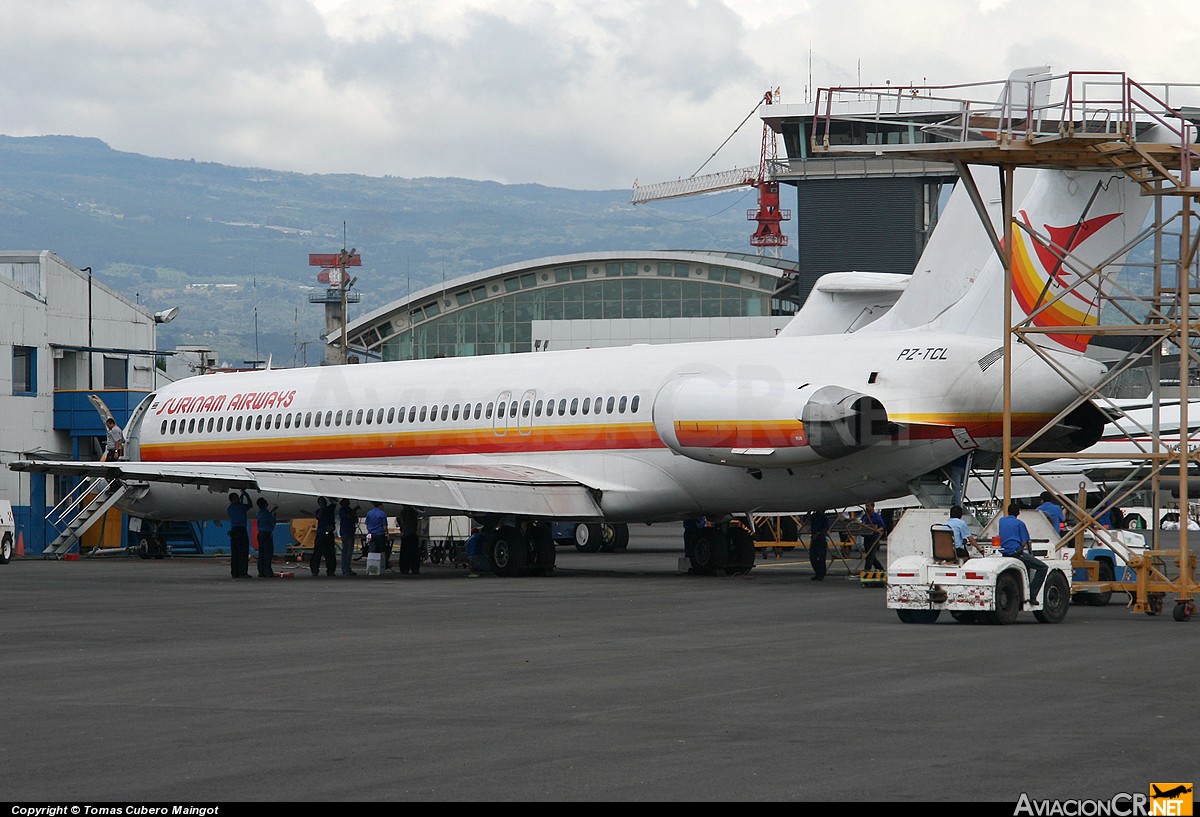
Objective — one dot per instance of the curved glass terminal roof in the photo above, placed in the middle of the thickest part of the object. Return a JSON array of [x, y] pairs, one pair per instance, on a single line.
[[492, 312]]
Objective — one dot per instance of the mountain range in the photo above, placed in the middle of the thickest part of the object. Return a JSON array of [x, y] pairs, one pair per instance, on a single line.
[[160, 230]]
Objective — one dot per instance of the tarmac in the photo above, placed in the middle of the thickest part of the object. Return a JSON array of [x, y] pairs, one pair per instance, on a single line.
[[619, 678]]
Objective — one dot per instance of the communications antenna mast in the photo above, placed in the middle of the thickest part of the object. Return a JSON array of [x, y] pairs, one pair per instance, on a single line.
[[768, 237]]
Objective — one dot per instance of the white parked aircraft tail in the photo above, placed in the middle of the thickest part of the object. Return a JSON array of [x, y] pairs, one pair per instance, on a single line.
[[1070, 223]]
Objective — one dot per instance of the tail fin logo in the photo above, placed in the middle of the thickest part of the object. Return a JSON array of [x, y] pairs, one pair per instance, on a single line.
[[1036, 283]]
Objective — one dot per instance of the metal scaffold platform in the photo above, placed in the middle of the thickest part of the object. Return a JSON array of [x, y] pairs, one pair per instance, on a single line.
[[1074, 121]]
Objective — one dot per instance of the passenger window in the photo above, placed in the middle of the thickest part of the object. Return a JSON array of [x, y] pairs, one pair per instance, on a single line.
[[574, 406], [287, 421], [488, 412], [258, 422], [210, 425], [445, 412], [163, 430], [239, 423], [173, 422], [358, 418], [308, 419], [278, 422], [512, 409], [220, 424], [412, 414], [329, 418], [454, 414], [609, 407], [537, 409], [587, 402], [424, 413], [525, 409], [370, 414], [633, 406], [621, 405], [391, 415], [478, 410], [337, 418], [562, 407], [501, 409]]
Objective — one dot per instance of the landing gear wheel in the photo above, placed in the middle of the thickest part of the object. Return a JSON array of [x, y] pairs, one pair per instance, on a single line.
[[1104, 573], [622, 536], [1056, 598], [741, 551], [509, 552], [966, 616], [1183, 610], [1008, 600], [709, 551], [6, 548], [609, 538], [542, 548], [589, 537]]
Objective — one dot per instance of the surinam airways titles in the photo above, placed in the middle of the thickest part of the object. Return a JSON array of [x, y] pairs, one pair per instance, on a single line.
[[210, 403]]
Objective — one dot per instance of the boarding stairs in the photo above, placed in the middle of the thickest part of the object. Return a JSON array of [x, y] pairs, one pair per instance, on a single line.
[[81, 508], [932, 491]]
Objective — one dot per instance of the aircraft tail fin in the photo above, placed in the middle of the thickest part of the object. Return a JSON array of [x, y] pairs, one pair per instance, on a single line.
[[1069, 223]]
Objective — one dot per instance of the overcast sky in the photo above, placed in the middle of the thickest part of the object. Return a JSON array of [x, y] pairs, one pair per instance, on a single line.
[[584, 95]]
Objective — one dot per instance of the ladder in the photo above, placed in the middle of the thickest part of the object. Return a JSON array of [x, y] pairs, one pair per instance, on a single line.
[[81, 508], [931, 491]]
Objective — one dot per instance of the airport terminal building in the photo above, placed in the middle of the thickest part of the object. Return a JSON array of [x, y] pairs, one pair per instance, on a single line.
[[584, 299]]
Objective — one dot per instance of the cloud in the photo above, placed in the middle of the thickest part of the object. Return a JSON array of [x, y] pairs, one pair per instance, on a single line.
[[549, 91]]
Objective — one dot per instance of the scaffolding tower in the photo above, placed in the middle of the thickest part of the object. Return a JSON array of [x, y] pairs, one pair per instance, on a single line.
[[1086, 121]]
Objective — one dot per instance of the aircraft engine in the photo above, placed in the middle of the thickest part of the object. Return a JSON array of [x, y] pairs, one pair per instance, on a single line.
[[751, 424], [1082, 428]]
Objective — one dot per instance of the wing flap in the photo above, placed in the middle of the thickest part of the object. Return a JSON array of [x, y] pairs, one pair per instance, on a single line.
[[482, 489]]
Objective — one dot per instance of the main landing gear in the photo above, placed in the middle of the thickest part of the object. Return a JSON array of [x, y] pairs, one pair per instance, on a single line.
[[724, 549], [521, 550], [593, 537]]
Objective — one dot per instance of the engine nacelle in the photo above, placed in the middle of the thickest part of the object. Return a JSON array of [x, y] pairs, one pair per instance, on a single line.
[[749, 424]]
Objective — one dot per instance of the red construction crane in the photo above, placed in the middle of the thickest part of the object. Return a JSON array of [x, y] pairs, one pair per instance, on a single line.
[[768, 214]]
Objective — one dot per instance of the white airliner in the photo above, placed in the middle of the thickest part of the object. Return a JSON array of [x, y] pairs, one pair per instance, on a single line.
[[654, 433]]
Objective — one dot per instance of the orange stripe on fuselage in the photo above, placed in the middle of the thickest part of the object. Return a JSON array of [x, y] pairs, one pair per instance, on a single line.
[[740, 433], [982, 425], [404, 444]]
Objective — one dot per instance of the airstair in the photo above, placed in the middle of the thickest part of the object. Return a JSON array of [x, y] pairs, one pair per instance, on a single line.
[[81, 508], [932, 491]]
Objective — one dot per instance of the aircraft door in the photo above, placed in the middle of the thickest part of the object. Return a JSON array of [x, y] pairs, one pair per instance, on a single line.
[[524, 420], [500, 419], [133, 430]]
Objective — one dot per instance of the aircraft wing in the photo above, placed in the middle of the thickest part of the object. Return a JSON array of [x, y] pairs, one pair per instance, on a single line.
[[503, 489]]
